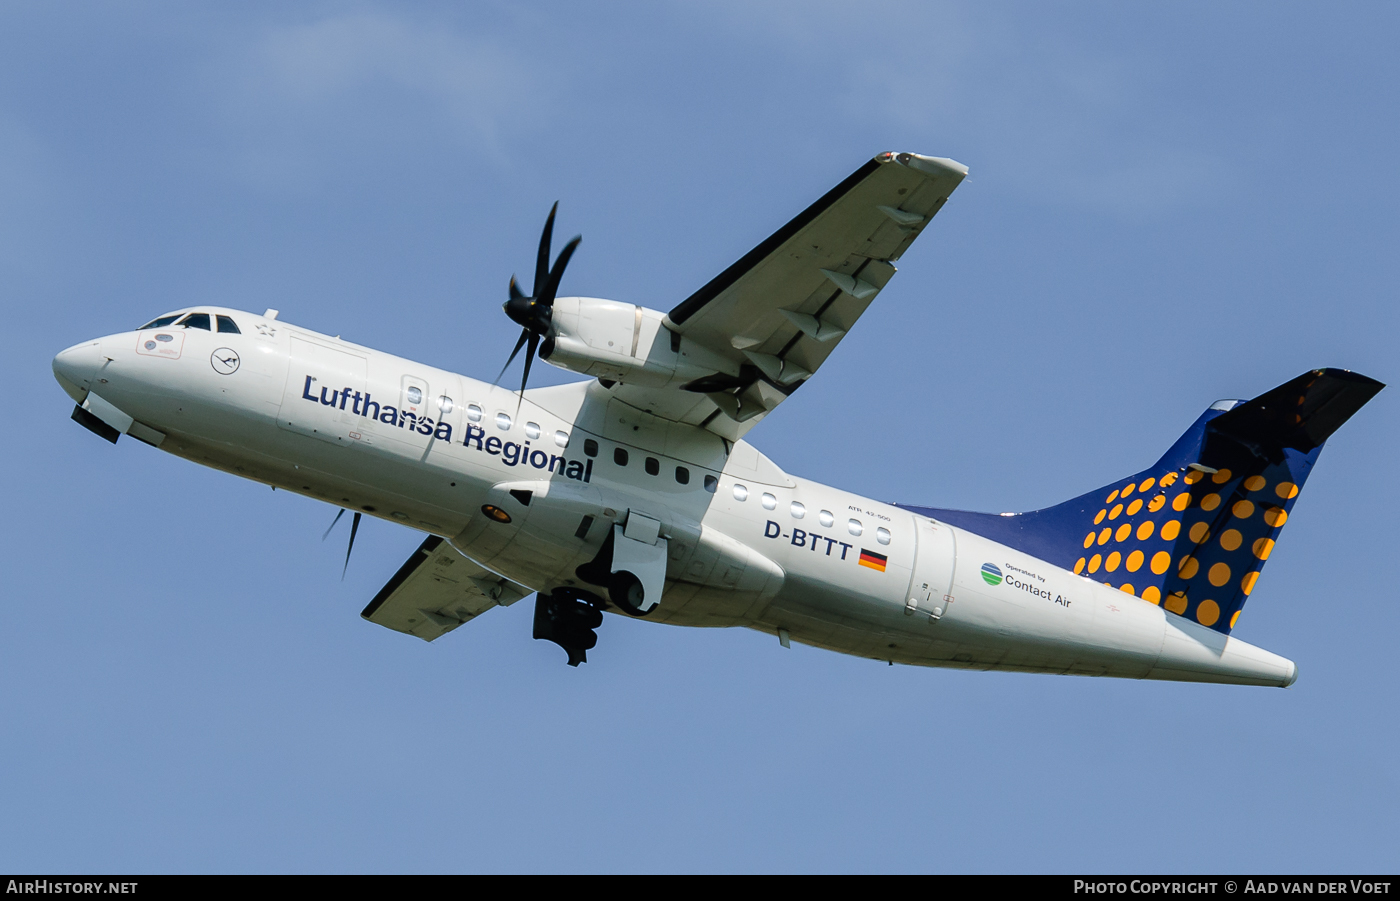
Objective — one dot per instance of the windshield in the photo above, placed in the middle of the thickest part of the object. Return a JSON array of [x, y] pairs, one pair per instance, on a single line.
[[162, 322]]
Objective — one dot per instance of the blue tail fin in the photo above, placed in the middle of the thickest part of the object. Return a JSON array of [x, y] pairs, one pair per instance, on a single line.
[[1193, 531]]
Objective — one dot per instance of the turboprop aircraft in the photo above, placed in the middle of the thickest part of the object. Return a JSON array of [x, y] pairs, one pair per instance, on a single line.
[[635, 492]]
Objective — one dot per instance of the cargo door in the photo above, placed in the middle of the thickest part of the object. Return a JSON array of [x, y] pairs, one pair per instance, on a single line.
[[930, 588], [325, 387]]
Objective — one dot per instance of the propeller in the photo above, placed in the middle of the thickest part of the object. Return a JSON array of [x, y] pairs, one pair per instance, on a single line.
[[354, 527], [535, 313]]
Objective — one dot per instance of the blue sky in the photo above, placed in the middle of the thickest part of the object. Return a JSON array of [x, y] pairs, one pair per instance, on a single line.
[[1166, 206]]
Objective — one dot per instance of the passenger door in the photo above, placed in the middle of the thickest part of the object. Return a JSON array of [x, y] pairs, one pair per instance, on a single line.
[[413, 399]]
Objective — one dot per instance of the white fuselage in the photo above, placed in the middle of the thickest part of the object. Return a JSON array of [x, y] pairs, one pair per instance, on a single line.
[[747, 544]]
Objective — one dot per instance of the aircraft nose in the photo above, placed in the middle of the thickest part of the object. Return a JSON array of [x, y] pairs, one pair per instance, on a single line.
[[76, 367]]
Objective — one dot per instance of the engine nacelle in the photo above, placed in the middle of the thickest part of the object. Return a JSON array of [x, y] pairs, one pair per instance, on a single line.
[[622, 342]]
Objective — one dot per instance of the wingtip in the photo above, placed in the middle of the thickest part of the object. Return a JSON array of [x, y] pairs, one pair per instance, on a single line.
[[929, 165]]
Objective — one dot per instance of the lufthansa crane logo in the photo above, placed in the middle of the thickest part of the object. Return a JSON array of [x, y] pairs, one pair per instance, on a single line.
[[224, 360]]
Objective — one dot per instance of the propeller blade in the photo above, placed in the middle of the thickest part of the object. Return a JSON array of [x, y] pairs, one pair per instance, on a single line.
[[542, 260], [524, 334], [547, 298], [354, 527], [535, 313], [333, 522], [529, 357]]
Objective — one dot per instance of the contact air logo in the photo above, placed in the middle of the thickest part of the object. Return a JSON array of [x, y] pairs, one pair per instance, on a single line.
[[1022, 579]]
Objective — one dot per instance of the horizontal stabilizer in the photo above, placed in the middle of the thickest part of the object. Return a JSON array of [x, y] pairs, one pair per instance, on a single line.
[[1300, 414]]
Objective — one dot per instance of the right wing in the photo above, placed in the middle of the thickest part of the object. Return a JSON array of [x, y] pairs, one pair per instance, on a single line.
[[778, 313], [436, 590]]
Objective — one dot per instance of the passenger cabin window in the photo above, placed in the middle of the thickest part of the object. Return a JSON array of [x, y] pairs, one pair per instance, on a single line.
[[561, 439], [854, 526], [415, 397], [590, 447], [503, 421], [798, 511], [196, 320], [769, 501], [826, 518], [620, 456], [160, 322], [532, 430], [227, 326], [445, 404], [682, 475], [741, 493], [882, 535], [653, 466], [473, 413], [711, 483]]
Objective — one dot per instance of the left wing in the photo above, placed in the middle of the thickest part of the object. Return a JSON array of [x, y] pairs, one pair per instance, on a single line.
[[437, 590], [779, 312]]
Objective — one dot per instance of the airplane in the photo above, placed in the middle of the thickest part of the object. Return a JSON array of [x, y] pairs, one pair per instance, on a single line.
[[634, 491]]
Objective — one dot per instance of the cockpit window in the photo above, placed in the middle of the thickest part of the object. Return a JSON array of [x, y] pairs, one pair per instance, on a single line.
[[228, 325], [162, 322], [196, 320]]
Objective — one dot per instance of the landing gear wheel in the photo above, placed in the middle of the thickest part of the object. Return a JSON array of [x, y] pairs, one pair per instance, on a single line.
[[626, 593], [568, 619]]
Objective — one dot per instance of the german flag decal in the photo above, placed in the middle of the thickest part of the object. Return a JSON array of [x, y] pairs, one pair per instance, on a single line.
[[873, 560]]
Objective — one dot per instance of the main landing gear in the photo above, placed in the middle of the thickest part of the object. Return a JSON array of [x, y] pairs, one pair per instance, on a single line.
[[624, 589], [622, 568], [626, 592], [568, 619]]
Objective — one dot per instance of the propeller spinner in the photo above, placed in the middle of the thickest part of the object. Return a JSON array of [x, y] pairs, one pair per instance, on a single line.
[[535, 313]]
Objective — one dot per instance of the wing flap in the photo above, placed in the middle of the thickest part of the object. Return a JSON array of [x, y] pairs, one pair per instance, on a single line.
[[437, 590]]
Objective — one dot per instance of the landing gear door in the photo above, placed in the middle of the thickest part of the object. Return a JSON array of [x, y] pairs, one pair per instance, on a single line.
[[930, 588], [639, 550]]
